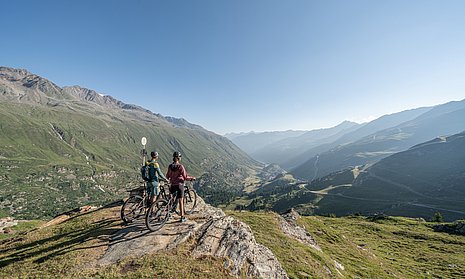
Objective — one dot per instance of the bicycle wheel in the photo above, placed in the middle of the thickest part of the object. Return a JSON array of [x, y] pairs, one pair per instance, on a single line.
[[157, 215], [132, 208], [190, 200]]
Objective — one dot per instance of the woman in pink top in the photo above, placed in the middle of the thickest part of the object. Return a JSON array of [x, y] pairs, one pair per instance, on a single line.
[[177, 175]]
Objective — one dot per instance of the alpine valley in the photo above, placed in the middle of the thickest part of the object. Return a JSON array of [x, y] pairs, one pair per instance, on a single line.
[[64, 147], [410, 163]]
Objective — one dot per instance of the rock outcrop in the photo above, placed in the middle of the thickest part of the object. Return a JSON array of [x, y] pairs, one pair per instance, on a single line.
[[213, 233], [233, 240], [6, 223], [457, 227], [288, 223]]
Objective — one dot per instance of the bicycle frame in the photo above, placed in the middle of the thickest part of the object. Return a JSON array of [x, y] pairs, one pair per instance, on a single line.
[[188, 189], [159, 212]]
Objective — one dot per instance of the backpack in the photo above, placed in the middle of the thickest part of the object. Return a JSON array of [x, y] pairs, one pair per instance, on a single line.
[[148, 172], [145, 173]]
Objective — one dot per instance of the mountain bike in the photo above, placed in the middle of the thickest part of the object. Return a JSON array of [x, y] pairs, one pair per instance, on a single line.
[[190, 196], [135, 205], [160, 211]]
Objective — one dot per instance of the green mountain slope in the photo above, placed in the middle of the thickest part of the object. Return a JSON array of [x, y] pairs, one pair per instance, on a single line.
[[65, 147], [426, 178]]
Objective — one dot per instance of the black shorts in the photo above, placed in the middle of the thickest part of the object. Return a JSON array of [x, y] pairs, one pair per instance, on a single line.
[[179, 189]]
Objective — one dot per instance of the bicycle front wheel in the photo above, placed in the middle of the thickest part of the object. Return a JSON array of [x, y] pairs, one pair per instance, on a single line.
[[190, 200], [132, 208], [157, 215]]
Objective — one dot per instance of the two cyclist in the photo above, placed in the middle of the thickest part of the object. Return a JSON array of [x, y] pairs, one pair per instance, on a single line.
[[177, 174]]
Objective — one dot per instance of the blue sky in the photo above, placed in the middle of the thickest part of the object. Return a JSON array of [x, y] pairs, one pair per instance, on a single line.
[[246, 65]]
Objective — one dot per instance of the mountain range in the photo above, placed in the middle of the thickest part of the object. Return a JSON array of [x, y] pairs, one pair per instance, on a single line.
[[253, 141], [441, 120], [288, 152], [318, 153], [62, 147]]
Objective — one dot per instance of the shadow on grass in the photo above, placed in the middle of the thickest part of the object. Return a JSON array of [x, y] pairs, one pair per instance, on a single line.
[[59, 244], [109, 231], [65, 242], [73, 213]]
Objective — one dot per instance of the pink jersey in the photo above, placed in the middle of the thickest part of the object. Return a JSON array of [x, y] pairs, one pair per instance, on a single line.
[[177, 174]]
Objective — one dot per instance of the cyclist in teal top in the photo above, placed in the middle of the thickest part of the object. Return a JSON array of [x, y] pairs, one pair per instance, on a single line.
[[154, 174]]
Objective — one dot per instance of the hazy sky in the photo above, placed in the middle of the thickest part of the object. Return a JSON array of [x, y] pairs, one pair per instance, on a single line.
[[246, 65]]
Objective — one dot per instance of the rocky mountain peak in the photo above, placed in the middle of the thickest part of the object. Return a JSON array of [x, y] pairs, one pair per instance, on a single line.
[[92, 96], [346, 124], [23, 86], [89, 95], [13, 74], [181, 122], [82, 93], [28, 79], [19, 85]]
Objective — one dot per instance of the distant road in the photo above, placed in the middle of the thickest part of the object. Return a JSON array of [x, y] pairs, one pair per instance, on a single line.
[[438, 208], [325, 193]]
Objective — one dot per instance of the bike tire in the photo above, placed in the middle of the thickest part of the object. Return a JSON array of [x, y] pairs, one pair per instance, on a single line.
[[190, 201], [132, 209], [157, 215]]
